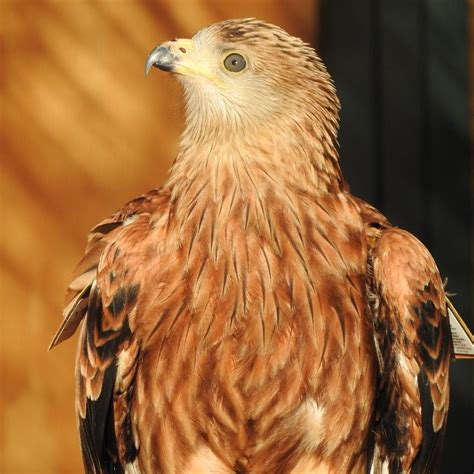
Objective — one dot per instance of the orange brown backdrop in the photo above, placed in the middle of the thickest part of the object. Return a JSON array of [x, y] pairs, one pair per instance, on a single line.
[[82, 132]]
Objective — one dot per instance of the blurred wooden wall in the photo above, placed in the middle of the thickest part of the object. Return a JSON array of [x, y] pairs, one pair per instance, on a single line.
[[82, 131]]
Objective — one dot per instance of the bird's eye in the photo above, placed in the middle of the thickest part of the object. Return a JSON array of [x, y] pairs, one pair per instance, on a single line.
[[235, 62]]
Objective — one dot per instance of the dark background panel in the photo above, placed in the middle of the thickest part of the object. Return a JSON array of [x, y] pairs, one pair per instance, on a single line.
[[401, 112], [450, 216], [350, 60], [401, 70]]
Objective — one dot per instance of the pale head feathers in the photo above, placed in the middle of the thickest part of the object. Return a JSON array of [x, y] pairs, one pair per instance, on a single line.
[[284, 81], [281, 110]]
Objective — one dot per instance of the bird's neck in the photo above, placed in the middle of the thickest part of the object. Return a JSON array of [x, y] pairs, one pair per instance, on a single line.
[[260, 163]]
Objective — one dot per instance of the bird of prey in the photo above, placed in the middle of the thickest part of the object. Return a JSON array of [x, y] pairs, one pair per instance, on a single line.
[[251, 315]]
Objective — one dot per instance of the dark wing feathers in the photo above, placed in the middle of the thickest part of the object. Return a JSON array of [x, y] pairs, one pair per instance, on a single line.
[[412, 332], [105, 292], [413, 342], [96, 421], [96, 383], [107, 334], [434, 351]]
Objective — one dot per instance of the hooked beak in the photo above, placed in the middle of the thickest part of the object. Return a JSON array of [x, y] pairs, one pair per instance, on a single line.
[[179, 56], [162, 58], [170, 56]]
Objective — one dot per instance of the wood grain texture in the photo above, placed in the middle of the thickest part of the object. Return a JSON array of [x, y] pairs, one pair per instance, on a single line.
[[81, 129]]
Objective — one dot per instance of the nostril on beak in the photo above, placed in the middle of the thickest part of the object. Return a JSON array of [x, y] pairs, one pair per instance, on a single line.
[[183, 50]]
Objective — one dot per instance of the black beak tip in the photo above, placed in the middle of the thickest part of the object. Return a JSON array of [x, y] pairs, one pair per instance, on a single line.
[[162, 58], [160, 66], [164, 67]]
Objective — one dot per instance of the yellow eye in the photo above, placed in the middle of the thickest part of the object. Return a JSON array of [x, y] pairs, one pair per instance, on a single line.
[[235, 62]]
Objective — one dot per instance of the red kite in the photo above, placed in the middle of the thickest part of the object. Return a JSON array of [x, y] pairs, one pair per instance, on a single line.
[[253, 316]]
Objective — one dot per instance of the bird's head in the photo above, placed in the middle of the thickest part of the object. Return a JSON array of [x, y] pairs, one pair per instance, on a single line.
[[247, 75]]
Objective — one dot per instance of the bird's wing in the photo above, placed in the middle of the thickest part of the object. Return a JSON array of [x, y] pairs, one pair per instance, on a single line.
[[413, 341], [77, 296], [106, 290]]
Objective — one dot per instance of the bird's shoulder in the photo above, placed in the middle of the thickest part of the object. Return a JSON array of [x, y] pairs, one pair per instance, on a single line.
[[105, 292], [412, 336], [118, 232]]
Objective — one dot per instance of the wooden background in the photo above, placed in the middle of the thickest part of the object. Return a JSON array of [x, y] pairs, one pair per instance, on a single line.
[[83, 131]]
